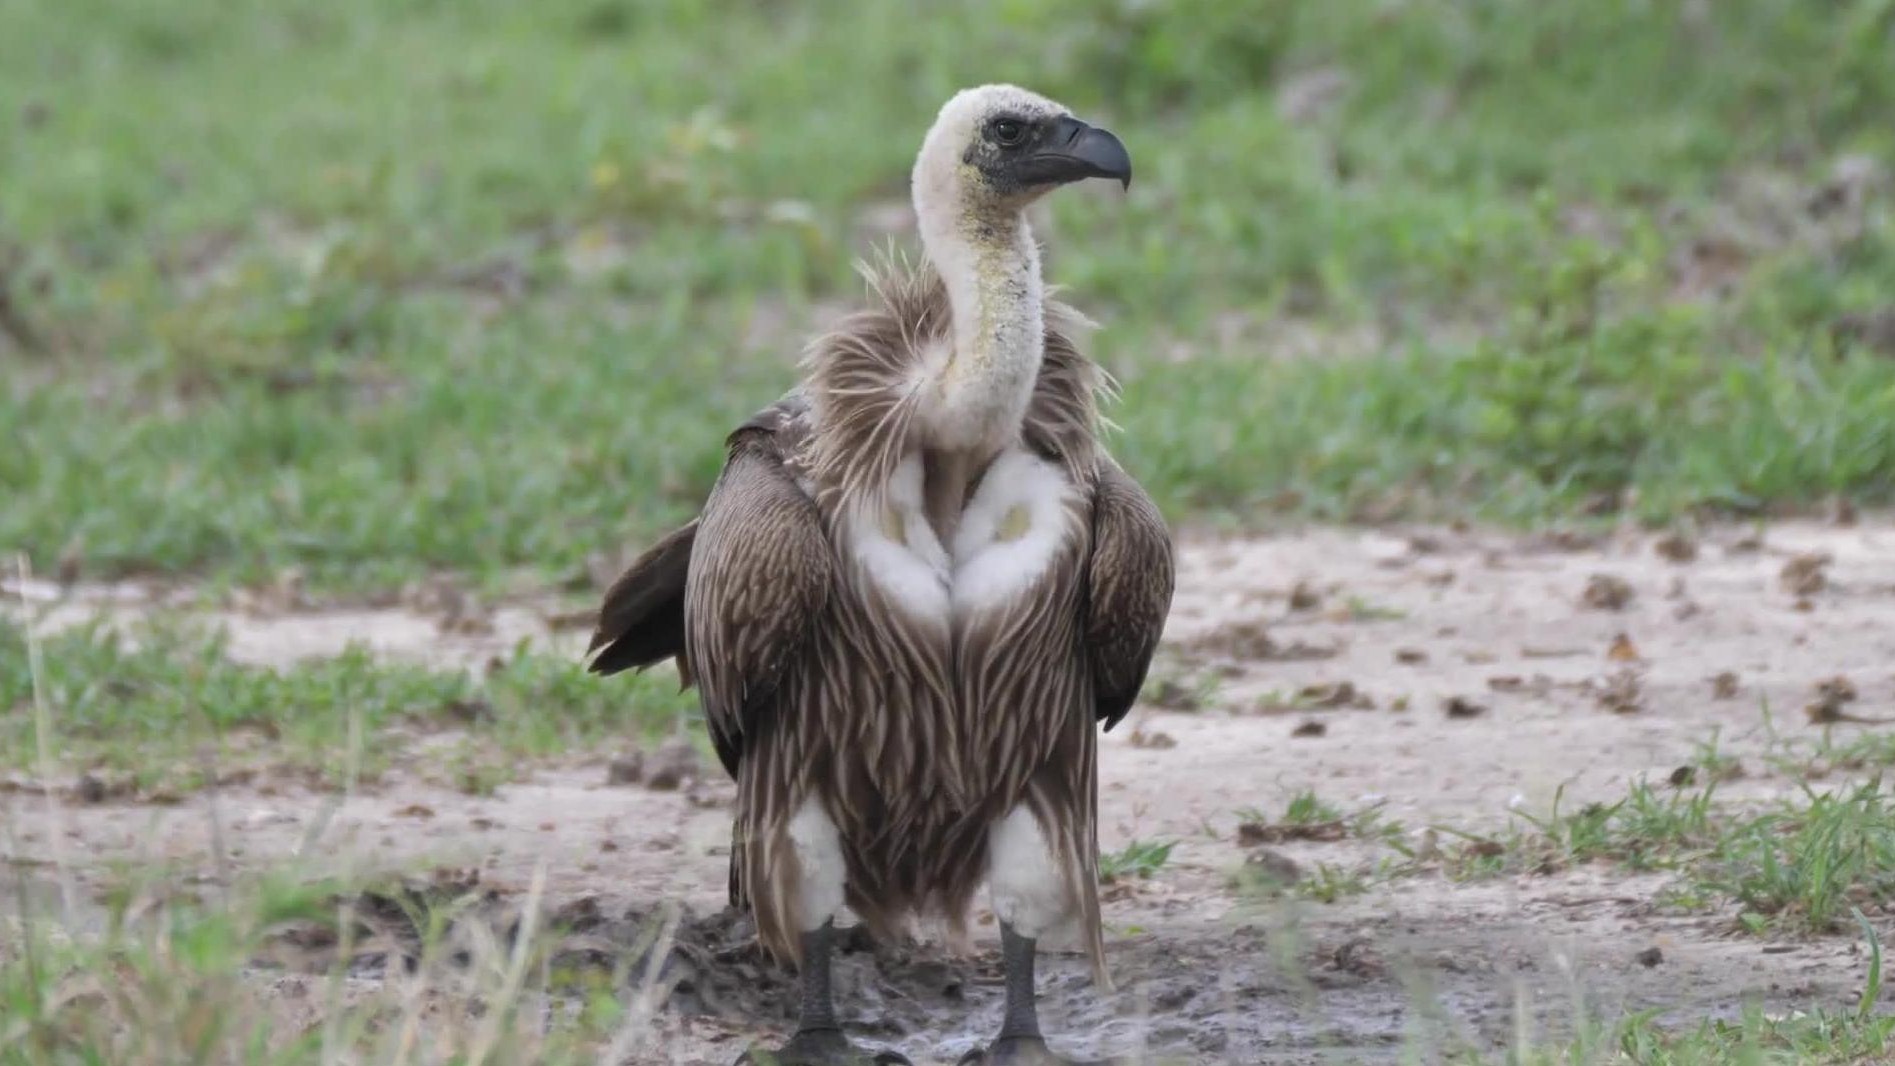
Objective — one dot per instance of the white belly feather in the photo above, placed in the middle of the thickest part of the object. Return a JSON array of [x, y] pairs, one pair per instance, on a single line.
[[1009, 534], [1011, 531], [898, 550]]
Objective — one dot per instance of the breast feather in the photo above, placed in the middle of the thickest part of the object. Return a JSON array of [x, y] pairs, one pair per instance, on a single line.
[[993, 562]]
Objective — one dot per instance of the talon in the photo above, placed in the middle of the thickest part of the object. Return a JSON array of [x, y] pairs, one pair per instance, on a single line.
[[1023, 1051], [820, 1047]]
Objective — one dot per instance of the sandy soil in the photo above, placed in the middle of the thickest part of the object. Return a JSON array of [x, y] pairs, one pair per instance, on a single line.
[[1333, 658]]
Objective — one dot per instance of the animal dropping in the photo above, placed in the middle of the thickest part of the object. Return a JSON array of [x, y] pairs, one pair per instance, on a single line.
[[1304, 597], [1462, 707], [1622, 650], [1832, 695], [916, 592], [1153, 740], [1805, 575], [1605, 592], [1677, 547], [1622, 693]]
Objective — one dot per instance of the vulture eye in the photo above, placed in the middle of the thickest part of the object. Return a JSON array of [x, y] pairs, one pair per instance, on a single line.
[[1009, 132]]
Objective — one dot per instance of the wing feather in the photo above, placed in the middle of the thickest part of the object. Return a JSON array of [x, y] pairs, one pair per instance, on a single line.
[[1129, 577], [760, 574], [641, 621]]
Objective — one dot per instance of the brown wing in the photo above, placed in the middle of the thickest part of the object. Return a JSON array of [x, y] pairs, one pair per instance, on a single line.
[[760, 574], [641, 622], [1129, 582]]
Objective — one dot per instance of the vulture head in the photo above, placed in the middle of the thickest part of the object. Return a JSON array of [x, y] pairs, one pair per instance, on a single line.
[[1000, 146]]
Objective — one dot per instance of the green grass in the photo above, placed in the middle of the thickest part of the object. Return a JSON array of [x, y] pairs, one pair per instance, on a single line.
[[1307, 808], [1805, 864], [173, 979], [165, 707], [1138, 859], [1308, 816], [1754, 1038], [1648, 828], [1329, 882], [373, 288], [1797, 866]]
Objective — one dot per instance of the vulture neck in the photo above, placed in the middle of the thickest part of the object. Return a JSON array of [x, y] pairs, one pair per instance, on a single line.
[[991, 267]]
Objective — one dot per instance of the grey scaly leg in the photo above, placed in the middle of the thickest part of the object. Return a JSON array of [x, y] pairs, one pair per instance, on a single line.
[[819, 1040], [1020, 1042], [1022, 1018], [818, 1013]]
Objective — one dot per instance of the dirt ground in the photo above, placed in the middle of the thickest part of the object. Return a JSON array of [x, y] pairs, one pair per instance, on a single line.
[[1573, 664]]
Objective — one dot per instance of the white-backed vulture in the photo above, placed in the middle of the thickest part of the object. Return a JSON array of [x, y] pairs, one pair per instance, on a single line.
[[917, 588]]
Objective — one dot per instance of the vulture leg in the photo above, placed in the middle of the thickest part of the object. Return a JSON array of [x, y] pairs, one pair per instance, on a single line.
[[1030, 896], [819, 1040], [814, 847], [1020, 1042]]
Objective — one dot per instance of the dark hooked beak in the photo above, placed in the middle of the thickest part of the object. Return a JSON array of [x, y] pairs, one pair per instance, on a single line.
[[1075, 151]]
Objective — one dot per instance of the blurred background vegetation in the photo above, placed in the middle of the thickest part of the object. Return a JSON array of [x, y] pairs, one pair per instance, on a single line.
[[370, 288]]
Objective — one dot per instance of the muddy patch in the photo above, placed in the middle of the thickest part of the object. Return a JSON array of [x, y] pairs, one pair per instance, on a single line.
[[1283, 984]]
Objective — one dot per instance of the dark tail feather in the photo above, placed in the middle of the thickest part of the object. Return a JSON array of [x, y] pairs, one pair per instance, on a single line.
[[642, 619], [737, 897]]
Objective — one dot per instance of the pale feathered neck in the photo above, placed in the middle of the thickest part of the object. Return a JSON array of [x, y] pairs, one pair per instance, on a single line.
[[982, 377]]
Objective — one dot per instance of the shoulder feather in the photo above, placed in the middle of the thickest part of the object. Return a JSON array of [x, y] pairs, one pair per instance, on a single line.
[[863, 382], [1063, 422]]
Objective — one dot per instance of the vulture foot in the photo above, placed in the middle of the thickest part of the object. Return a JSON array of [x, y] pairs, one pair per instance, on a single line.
[[820, 1047], [1023, 1051]]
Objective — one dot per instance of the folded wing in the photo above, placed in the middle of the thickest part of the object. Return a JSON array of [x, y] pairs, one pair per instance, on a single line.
[[760, 575], [733, 595], [1129, 583]]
